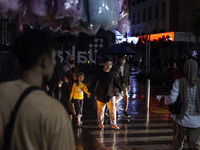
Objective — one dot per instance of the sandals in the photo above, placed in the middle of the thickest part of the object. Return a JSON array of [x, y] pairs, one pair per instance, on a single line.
[[79, 124]]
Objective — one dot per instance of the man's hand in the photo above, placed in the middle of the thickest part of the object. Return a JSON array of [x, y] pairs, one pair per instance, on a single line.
[[60, 83], [65, 79], [47, 87]]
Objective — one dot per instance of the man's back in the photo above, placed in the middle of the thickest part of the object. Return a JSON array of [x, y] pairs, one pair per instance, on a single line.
[[41, 122]]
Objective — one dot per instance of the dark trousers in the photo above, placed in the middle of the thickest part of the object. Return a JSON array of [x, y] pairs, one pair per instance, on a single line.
[[192, 134], [56, 93], [78, 103], [65, 101]]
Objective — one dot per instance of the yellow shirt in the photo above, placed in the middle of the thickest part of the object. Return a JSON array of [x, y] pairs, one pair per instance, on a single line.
[[77, 91]]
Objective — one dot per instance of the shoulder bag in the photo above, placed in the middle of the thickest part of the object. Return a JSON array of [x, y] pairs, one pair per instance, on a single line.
[[9, 127], [176, 107]]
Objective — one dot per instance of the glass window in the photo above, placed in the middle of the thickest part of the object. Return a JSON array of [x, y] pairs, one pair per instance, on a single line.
[[144, 15], [150, 13], [163, 9], [138, 19], [133, 18], [133, 3], [156, 12]]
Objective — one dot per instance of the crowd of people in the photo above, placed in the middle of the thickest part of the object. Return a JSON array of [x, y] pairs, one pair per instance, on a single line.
[[27, 121], [110, 83], [45, 86]]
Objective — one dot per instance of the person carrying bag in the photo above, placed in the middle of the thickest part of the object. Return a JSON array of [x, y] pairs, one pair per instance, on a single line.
[[187, 123]]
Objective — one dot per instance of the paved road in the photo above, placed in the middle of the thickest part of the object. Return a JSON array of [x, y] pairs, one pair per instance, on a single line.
[[144, 130]]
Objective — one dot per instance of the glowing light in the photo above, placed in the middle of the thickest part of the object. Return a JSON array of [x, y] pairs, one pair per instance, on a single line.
[[194, 53], [168, 36], [142, 96], [140, 60], [133, 39]]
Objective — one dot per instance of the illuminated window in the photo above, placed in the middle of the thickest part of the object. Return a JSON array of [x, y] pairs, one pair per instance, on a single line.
[[166, 35]]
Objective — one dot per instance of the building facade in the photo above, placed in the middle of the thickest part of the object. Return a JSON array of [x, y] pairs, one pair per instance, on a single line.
[[170, 24], [162, 15]]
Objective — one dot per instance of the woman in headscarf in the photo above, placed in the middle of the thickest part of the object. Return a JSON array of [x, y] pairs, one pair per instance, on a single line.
[[71, 71], [188, 121]]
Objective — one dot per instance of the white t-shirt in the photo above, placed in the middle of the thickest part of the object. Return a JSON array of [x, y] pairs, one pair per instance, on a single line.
[[122, 70]]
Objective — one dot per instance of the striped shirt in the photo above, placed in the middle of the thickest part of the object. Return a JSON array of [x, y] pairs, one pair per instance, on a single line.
[[192, 118]]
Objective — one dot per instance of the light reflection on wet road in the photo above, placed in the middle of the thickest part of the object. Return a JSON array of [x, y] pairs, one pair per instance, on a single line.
[[144, 130]]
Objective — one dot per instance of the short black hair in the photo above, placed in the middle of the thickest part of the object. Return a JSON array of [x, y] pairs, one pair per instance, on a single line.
[[120, 56], [31, 45], [105, 59]]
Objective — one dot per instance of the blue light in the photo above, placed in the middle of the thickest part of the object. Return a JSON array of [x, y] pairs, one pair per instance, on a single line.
[[194, 53]]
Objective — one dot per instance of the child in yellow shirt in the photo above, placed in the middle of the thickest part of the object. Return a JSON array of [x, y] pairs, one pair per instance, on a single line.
[[77, 94]]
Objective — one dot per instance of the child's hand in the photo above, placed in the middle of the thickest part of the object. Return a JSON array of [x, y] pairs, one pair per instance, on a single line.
[[88, 94], [47, 87], [70, 100]]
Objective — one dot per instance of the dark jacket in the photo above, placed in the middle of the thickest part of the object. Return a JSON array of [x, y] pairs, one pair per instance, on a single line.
[[105, 85], [71, 79], [125, 80]]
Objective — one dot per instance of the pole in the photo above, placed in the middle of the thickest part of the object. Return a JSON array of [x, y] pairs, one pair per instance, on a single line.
[[3, 34], [148, 93], [146, 63], [149, 52]]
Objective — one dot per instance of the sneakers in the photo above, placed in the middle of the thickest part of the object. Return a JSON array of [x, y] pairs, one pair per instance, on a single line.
[[101, 126], [81, 123], [125, 114], [113, 126]]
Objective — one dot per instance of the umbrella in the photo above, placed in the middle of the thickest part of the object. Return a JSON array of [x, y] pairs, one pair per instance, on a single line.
[[120, 49]]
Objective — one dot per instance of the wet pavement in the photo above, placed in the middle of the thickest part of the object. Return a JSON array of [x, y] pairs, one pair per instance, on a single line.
[[145, 129]]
